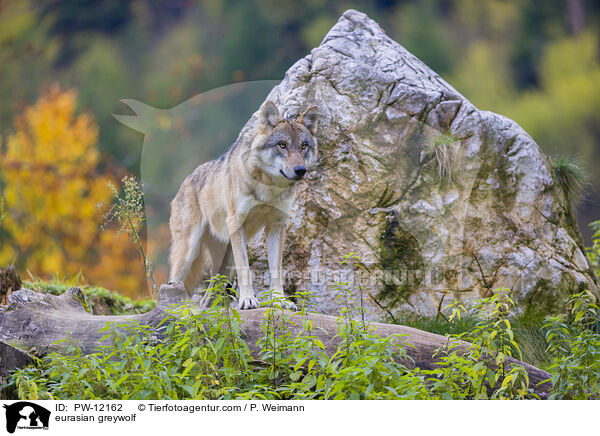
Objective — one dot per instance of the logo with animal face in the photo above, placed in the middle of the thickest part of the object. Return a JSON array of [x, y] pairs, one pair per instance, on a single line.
[[201, 129], [26, 415]]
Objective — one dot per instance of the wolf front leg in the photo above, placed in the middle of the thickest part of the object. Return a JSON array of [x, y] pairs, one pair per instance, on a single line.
[[237, 236], [275, 237]]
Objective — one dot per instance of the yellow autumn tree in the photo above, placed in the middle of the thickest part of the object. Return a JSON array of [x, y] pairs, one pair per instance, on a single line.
[[52, 188]]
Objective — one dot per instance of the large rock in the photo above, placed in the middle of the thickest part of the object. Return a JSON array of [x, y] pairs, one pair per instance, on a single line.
[[439, 199]]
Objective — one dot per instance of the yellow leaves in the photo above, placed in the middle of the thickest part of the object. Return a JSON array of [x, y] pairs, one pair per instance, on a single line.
[[52, 261], [50, 135], [49, 169]]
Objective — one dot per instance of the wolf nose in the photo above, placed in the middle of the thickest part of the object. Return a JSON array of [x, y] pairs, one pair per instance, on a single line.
[[300, 171]]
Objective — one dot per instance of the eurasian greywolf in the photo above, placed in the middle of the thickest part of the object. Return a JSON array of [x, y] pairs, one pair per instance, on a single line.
[[225, 202]]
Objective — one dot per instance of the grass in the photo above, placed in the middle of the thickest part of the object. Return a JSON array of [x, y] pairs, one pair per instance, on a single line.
[[445, 149], [528, 331], [100, 301], [570, 175]]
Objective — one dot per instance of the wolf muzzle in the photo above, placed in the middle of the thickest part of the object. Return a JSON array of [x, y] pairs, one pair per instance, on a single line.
[[299, 170]]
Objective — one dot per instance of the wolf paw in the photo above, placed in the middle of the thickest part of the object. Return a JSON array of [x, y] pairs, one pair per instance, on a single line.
[[248, 302]]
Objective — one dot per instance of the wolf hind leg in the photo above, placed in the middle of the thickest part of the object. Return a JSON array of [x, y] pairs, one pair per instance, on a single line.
[[177, 270], [228, 264], [221, 263], [185, 253]]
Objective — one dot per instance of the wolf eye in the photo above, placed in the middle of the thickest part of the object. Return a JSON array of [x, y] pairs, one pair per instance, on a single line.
[[304, 145], [282, 144]]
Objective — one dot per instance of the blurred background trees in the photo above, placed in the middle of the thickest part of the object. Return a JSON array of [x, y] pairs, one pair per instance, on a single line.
[[51, 220], [534, 61]]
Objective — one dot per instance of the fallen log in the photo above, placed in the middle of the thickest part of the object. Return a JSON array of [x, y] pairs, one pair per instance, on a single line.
[[34, 322]]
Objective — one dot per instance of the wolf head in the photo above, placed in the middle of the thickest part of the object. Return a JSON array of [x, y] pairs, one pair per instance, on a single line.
[[286, 148]]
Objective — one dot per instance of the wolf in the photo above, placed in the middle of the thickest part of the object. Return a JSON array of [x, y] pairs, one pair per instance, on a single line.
[[225, 202]]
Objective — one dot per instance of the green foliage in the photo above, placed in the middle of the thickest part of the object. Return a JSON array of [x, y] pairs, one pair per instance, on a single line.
[[482, 371], [421, 31], [594, 251], [570, 175], [98, 300], [200, 354], [192, 354], [574, 343], [527, 330]]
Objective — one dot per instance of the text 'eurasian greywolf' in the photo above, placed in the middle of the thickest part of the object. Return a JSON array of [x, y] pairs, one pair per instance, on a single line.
[[226, 201]]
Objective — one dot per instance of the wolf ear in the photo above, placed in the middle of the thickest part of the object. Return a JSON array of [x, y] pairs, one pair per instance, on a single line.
[[309, 118], [269, 115]]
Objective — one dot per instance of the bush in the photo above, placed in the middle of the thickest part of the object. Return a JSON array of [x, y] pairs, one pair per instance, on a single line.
[[574, 343], [594, 251], [482, 371], [200, 354]]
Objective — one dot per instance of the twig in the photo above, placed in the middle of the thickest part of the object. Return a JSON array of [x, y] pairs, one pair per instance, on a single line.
[[391, 315], [147, 265]]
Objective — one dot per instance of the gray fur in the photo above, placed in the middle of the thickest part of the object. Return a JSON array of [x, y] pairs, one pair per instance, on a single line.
[[225, 202]]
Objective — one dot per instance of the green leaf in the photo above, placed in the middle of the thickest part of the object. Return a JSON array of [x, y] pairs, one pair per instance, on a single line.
[[189, 389], [121, 380], [188, 368], [309, 381], [500, 358], [492, 377]]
